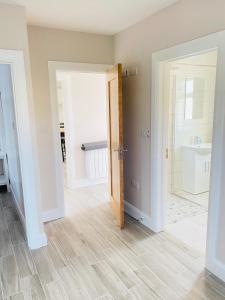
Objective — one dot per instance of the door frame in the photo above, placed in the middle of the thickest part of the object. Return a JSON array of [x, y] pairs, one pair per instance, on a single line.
[[25, 126], [53, 67], [158, 140]]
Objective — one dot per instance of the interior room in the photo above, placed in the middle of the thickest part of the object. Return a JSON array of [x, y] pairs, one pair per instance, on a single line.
[[144, 237], [83, 130], [191, 107]]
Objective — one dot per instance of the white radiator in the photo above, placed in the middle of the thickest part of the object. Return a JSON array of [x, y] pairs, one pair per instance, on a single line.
[[96, 163]]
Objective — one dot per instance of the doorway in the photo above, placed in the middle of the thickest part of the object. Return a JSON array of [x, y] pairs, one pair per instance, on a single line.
[[190, 85], [159, 143], [10, 170], [82, 110], [91, 142], [19, 172]]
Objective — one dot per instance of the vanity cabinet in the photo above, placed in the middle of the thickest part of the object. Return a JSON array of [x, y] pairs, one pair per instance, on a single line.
[[196, 164]]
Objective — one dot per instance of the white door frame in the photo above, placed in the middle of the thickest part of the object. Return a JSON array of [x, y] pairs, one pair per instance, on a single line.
[[25, 126], [53, 67], [158, 138]]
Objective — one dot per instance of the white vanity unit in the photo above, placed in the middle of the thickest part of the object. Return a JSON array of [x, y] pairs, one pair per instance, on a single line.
[[196, 168]]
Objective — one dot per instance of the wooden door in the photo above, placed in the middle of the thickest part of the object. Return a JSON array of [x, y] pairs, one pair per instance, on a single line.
[[116, 150]]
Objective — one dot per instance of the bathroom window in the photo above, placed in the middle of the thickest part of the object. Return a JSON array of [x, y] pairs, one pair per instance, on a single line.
[[189, 98], [194, 98]]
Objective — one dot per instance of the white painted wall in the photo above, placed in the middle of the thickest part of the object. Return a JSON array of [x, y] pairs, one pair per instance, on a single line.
[[11, 140], [84, 102], [61, 95], [1, 139], [1, 130]]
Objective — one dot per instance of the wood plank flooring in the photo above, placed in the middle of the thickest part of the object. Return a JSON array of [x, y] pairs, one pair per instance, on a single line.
[[88, 257]]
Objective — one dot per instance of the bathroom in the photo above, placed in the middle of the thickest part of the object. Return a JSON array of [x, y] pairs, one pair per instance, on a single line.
[[191, 85]]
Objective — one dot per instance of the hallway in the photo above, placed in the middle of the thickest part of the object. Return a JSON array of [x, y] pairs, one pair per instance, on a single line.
[[88, 257]]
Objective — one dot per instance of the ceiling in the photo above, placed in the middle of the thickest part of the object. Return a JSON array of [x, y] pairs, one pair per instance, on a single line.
[[94, 16]]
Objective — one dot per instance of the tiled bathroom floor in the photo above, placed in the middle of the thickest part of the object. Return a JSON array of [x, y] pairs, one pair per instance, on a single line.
[[179, 208], [187, 220], [202, 199]]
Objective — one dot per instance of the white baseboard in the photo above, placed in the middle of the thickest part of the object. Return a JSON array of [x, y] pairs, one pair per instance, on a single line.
[[38, 242], [51, 215], [35, 242], [87, 182], [137, 214], [18, 210], [216, 267]]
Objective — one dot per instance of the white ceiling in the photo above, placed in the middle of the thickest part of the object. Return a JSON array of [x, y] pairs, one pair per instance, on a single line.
[[95, 16]]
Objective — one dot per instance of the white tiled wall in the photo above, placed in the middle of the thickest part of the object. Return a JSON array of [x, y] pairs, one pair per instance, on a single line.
[[182, 132]]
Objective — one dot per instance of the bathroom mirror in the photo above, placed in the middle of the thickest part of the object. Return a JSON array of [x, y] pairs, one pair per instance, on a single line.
[[194, 98]]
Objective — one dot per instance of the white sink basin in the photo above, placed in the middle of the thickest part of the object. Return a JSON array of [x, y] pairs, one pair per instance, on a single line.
[[200, 148]]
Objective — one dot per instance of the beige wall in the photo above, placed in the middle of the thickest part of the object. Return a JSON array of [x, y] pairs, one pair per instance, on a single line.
[[58, 45], [181, 22], [13, 28]]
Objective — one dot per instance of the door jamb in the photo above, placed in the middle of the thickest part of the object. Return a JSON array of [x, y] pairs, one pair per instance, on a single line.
[[27, 144], [158, 161]]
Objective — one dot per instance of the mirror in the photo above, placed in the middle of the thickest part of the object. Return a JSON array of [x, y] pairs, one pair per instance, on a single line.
[[194, 98]]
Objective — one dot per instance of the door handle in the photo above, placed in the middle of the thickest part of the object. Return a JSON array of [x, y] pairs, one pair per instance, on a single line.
[[121, 150]]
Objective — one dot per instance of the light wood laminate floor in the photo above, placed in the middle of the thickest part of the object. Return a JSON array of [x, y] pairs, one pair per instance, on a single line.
[[88, 257]]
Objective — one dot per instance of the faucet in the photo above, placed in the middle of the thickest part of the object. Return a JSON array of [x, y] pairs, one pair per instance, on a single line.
[[197, 140]]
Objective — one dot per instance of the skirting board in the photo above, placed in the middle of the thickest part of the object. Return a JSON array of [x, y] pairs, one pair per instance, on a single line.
[[37, 241], [217, 268], [87, 182], [19, 212], [138, 215], [51, 215]]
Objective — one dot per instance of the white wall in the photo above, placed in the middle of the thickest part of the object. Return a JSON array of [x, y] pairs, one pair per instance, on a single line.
[[1, 139], [200, 67], [84, 102], [11, 140], [60, 95]]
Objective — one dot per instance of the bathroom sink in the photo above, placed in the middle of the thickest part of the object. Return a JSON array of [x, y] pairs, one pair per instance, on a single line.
[[200, 148]]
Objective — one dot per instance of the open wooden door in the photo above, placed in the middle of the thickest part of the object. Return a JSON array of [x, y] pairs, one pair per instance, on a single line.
[[116, 150]]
